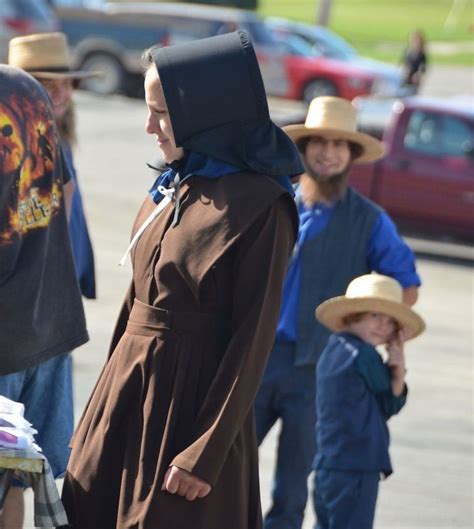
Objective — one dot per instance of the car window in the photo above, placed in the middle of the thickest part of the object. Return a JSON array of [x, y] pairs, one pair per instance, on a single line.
[[79, 3], [440, 135], [457, 138], [184, 29], [329, 44], [423, 133], [32, 8], [259, 33], [295, 45]]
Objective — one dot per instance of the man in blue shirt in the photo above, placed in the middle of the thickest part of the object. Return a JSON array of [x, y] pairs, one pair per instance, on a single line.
[[342, 235]]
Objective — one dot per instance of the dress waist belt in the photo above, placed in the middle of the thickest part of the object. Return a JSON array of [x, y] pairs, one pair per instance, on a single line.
[[147, 319]]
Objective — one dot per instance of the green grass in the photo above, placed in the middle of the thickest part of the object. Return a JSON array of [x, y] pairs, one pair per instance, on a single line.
[[379, 28]]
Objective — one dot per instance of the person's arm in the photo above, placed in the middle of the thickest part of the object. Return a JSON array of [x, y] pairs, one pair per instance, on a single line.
[[410, 295], [389, 254], [378, 378], [68, 182], [68, 193], [259, 270], [396, 363]]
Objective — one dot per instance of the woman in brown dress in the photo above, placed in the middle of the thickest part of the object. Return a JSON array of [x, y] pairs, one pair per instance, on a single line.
[[167, 440]]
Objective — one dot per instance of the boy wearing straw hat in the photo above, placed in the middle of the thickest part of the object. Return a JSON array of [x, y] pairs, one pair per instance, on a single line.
[[357, 392], [342, 235]]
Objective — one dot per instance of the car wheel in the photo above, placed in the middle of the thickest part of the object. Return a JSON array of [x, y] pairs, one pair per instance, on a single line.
[[112, 74], [318, 87]]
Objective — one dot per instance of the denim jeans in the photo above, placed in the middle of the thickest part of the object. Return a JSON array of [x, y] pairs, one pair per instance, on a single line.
[[46, 392], [287, 392], [345, 499]]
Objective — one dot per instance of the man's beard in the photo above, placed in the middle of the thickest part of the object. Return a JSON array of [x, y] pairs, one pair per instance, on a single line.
[[326, 189]]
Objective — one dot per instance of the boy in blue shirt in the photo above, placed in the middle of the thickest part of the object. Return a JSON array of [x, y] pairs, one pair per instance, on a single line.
[[357, 392]]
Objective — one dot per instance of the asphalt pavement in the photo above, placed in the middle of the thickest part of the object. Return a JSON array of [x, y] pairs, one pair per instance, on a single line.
[[432, 439]]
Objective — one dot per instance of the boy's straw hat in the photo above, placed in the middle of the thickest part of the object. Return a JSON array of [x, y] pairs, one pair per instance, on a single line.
[[371, 293], [336, 118], [45, 56]]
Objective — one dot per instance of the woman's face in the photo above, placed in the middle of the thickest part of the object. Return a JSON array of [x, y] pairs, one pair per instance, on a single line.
[[60, 93], [158, 120]]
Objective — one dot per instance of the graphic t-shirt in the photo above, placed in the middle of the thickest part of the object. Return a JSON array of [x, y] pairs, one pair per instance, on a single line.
[[41, 312]]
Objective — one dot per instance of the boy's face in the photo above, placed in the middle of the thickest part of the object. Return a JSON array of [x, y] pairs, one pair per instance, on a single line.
[[374, 328]]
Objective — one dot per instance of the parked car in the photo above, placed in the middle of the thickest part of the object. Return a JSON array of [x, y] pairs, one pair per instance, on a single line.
[[388, 79], [426, 179], [20, 17], [112, 36], [310, 75]]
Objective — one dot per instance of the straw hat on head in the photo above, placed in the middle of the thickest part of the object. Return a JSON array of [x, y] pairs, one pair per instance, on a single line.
[[44, 56], [371, 293], [336, 118]]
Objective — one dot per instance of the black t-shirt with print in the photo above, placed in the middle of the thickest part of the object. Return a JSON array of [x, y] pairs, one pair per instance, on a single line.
[[41, 312]]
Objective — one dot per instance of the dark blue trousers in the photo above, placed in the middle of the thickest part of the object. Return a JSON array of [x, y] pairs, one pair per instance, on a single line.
[[288, 393], [344, 499]]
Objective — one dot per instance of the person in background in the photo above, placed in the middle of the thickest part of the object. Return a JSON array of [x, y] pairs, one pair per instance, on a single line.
[[46, 56], [342, 235], [414, 62], [357, 392], [41, 313], [167, 439]]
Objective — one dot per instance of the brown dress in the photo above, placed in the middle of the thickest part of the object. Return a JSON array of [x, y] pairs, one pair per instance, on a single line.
[[187, 356]]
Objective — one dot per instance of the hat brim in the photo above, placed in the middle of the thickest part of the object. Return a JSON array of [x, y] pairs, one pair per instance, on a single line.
[[332, 312], [372, 149], [78, 74]]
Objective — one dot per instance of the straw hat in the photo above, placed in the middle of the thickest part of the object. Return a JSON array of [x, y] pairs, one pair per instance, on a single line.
[[371, 293], [45, 56], [336, 118]]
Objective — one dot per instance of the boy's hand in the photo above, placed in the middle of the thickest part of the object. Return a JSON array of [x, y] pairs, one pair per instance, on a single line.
[[396, 362], [179, 481], [396, 357]]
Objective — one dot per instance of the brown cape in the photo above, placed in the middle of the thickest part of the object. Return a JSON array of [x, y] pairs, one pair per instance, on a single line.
[[187, 356]]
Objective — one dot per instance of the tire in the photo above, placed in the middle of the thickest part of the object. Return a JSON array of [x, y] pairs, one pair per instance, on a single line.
[[318, 87], [113, 75]]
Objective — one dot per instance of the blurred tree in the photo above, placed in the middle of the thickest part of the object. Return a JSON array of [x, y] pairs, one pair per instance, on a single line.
[[324, 12]]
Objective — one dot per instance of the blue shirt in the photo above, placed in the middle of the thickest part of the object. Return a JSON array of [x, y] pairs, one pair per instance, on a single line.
[[387, 254]]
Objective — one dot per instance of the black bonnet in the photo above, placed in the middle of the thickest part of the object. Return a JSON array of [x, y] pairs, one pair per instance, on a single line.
[[217, 104]]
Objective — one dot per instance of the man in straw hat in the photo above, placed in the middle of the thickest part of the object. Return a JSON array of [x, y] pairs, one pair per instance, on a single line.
[[357, 392], [41, 313], [46, 57], [342, 235]]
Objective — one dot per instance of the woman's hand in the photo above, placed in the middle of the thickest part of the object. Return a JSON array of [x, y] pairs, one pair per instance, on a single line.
[[179, 481]]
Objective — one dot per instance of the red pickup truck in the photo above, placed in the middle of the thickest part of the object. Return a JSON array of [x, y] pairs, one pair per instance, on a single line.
[[426, 180]]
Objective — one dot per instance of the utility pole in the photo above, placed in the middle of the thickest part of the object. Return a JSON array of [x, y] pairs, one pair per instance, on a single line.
[[324, 12]]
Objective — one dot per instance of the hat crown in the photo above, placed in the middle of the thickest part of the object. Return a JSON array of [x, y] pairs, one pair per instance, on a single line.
[[328, 112], [39, 51], [375, 286]]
